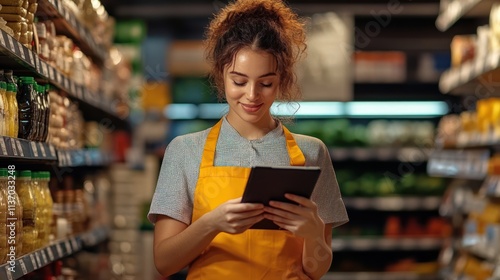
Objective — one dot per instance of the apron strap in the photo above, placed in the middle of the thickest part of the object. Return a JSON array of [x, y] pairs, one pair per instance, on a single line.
[[207, 160], [296, 156]]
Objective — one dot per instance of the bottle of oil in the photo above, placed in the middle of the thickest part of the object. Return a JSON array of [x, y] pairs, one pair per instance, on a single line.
[[25, 101]]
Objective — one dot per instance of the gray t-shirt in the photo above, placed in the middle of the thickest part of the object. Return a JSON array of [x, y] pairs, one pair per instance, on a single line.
[[174, 194]]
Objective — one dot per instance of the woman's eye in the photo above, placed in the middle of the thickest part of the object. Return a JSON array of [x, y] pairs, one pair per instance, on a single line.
[[239, 84], [267, 85]]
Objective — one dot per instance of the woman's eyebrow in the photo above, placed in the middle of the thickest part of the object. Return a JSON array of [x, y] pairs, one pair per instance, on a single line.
[[262, 76]]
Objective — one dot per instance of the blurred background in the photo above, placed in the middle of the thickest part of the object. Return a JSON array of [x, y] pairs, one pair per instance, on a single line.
[[403, 93]]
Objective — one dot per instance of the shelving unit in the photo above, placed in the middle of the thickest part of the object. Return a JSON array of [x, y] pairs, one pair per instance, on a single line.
[[69, 25], [385, 244], [471, 196], [393, 203], [472, 77], [378, 275], [31, 155], [406, 154], [55, 251], [452, 12]]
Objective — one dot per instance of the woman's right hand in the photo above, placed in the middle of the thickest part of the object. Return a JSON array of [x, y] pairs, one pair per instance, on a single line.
[[235, 217]]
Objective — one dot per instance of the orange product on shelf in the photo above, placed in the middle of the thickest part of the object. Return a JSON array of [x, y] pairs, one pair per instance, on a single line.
[[392, 227], [462, 49], [494, 165]]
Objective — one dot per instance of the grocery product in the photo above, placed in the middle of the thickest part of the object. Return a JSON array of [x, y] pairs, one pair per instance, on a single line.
[[14, 110], [3, 109], [25, 100], [28, 200]]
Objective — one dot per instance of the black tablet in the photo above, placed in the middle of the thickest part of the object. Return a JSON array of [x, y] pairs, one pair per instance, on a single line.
[[271, 183]]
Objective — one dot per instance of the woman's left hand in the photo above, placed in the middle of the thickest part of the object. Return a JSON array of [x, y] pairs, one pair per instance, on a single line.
[[302, 220]]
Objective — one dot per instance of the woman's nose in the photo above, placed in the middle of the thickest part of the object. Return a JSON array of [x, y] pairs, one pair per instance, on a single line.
[[252, 92]]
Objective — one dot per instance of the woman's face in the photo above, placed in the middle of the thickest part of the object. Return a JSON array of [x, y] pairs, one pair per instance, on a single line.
[[251, 86]]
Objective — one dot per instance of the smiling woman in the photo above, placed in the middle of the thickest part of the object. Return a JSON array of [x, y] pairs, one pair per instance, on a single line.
[[200, 221]]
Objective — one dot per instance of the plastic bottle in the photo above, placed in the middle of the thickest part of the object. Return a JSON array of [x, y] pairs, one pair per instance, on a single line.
[[41, 210], [28, 199], [3, 109], [14, 110], [14, 212], [3, 218], [49, 202], [35, 132], [25, 100], [46, 99]]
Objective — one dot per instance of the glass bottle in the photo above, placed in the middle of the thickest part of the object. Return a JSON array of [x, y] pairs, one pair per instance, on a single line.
[[27, 196]]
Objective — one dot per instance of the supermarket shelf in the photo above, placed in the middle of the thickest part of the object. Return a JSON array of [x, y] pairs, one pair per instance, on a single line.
[[393, 203], [69, 25], [58, 250], [461, 8], [16, 149], [21, 149], [378, 276], [386, 244], [29, 60], [380, 154], [83, 157], [473, 77], [466, 164]]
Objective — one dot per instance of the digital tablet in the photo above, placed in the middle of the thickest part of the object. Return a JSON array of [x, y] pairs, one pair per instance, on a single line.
[[271, 183]]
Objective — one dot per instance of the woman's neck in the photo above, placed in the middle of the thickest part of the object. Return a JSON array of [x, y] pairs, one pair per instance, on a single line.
[[252, 131]]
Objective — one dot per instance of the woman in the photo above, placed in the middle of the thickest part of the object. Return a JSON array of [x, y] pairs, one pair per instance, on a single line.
[[253, 46]]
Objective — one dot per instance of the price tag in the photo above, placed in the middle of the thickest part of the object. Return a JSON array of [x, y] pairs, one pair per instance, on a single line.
[[10, 42], [3, 147], [59, 250], [42, 149], [20, 148], [23, 266], [30, 57], [21, 51], [52, 151], [80, 93], [50, 253], [34, 149], [67, 245], [9, 274], [69, 159], [44, 257], [74, 243], [2, 39], [73, 89], [33, 262], [14, 148], [37, 257]]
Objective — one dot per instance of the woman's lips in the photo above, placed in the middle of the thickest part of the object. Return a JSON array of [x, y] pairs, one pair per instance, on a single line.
[[251, 108]]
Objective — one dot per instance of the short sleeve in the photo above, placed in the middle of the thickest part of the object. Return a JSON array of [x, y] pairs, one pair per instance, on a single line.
[[171, 197], [326, 194]]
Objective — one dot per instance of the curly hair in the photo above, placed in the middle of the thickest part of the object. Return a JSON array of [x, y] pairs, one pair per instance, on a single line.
[[267, 25]]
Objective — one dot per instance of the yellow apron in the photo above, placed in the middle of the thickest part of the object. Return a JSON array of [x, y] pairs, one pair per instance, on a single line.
[[254, 254]]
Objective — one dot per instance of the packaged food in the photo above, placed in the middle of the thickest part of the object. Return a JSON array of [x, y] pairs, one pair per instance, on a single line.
[[17, 35], [32, 8], [30, 17], [7, 29], [15, 10], [25, 4], [11, 2], [11, 17], [21, 27]]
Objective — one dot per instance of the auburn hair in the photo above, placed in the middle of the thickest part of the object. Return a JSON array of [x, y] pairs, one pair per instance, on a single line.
[[267, 25]]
